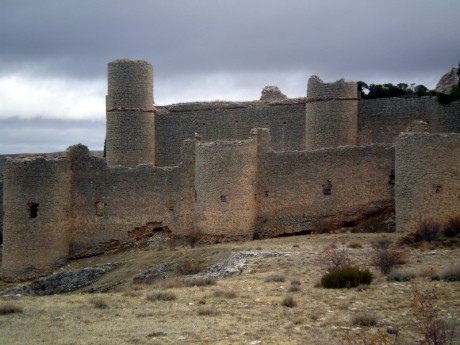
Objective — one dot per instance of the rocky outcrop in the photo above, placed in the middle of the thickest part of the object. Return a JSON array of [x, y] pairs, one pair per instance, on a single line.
[[272, 93], [447, 81]]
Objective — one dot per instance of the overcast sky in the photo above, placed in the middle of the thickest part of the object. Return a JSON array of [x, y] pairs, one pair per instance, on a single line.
[[54, 54]]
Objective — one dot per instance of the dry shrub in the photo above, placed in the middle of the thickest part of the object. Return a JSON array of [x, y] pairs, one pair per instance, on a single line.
[[452, 227], [323, 226], [6, 309], [224, 294], [289, 302], [187, 282], [278, 278], [156, 334], [432, 325], [332, 258], [363, 337], [382, 243], [428, 231], [160, 296], [189, 266], [295, 282], [194, 237], [365, 318], [450, 274], [346, 277], [386, 259], [99, 303], [294, 288], [207, 312], [398, 275], [355, 245]]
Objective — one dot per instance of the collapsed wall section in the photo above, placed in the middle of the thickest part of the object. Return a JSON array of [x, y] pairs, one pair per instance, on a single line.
[[228, 121], [382, 120], [331, 114], [130, 135], [225, 184], [297, 190], [110, 203], [36, 221], [427, 179]]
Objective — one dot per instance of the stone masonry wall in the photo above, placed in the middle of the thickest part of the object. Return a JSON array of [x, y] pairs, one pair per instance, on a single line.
[[342, 185], [130, 137], [331, 114], [225, 184], [228, 121], [382, 120], [36, 232], [427, 179], [108, 202]]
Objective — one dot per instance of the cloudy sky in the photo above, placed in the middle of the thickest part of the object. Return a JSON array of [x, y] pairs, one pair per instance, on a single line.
[[54, 53]]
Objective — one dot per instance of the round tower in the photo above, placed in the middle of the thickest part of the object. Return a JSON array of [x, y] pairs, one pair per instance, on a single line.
[[36, 220], [130, 136], [331, 114]]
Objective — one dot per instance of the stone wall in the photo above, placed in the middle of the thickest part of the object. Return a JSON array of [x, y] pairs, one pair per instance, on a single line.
[[298, 189], [36, 232], [225, 184], [228, 121], [382, 120], [130, 137], [331, 114], [427, 179], [109, 202]]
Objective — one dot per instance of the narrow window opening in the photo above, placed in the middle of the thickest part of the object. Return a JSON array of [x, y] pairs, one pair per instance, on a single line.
[[266, 193], [438, 189], [223, 198], [391, 181], [327, 188], [33, 209], [100, 208]]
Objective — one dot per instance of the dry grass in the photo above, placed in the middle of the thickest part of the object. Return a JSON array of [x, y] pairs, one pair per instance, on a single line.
[[197, 316]]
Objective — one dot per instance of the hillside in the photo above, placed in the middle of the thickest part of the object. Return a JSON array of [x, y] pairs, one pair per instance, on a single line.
[[142, 302]]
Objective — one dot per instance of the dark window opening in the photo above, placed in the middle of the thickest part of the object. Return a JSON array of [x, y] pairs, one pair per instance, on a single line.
[[33, 209], [438, 189], [100, 208], [236, 121], [327, 188], [284, 122], [223, 198], [391, 181], [266, 193], [171, 209]]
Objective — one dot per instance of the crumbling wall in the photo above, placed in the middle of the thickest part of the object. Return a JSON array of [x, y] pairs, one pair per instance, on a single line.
[[108, 202], [427, 179], [1, 210], [228, 121], [382, 120], [331, 114], [130, 137], [36, 221], [225, 184], [296, 190]]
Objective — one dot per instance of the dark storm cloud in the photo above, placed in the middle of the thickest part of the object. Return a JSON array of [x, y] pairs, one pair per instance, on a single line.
[[77, 38], [38, 135]]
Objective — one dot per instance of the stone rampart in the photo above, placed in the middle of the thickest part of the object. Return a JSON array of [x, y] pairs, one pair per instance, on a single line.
[[341, 185], [228, 121], [36, 231], [427, 179], [382, 120], [130, 137], [225, 184], [331, 114]]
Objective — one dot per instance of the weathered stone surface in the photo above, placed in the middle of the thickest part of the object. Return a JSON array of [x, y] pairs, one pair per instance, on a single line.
[[62, 282], [447, 81], [272, 93]]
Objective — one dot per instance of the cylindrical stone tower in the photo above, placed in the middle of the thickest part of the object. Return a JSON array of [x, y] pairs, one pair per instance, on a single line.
[[36, 221], [130, 136], [331, 114]]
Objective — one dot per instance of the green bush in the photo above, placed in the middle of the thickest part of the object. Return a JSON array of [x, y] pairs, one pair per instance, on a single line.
[[346, 277]]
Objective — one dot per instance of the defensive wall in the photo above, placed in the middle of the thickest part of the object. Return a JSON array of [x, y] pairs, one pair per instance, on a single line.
[[229, 170], [427, 179]]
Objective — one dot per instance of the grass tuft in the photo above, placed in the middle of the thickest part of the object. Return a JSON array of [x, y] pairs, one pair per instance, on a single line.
[[161, 296], [289, 302], [99, 303], [278, 278], [6, 309], [364, 319]]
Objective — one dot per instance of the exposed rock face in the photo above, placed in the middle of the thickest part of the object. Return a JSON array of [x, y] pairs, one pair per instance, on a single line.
[[272, 93], [62, 282], [447, 81]]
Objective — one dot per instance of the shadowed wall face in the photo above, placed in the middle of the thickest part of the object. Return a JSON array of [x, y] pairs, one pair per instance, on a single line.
[[427, 179]]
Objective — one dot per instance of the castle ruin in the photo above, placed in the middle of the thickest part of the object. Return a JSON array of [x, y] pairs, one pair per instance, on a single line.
[[231, 170]]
